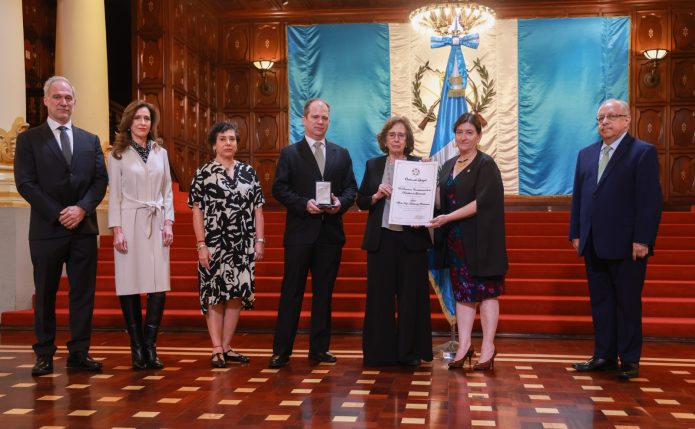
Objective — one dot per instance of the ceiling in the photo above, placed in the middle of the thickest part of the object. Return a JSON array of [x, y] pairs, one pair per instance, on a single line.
[[337, 11], [295, 5], [298, 5]]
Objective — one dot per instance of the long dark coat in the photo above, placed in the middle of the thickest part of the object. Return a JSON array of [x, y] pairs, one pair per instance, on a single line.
[[483, 233]]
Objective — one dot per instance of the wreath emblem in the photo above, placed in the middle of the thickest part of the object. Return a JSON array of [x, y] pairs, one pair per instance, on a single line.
[[478, 98]]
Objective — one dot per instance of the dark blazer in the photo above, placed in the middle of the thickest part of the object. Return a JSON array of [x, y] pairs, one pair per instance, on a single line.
[[624, 207], [295, 184], [49, 184], [483, 233], [414, 238]]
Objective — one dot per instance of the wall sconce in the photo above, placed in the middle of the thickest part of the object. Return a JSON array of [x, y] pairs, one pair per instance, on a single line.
[[266, 87], [652, 79]]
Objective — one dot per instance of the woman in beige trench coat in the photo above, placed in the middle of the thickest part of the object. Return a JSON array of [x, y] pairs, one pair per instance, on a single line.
[[141, 215]]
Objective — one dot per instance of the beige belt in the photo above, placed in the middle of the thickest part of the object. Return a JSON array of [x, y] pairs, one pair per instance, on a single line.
[[152, 207]]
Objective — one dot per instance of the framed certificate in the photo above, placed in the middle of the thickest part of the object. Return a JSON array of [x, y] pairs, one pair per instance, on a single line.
[[414, 187]]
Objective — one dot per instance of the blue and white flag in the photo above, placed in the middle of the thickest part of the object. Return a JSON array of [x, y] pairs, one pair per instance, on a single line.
[[549, 77]]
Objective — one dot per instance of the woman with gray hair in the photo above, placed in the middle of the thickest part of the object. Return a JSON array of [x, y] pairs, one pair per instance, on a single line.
[[397, 278]]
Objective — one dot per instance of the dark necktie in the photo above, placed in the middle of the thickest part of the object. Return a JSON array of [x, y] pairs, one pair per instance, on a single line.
[[318, 154], [65, 144]]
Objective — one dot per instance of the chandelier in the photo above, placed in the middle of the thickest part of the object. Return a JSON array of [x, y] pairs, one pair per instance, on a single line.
[[452, 18]]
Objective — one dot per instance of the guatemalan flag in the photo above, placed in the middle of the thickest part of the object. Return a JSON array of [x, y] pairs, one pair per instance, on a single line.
[[537, 82]]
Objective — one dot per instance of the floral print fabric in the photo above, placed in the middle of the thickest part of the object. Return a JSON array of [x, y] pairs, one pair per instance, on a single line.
[[466, 288], [228, 205]]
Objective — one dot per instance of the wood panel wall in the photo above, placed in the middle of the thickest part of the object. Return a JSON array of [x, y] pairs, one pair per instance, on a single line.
[[665, 115], [262, 119], [179, 46], [177, 69], [39, 17]]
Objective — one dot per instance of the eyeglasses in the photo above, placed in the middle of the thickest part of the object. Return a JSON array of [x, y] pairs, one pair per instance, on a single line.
[[400, 136], [611, 117]]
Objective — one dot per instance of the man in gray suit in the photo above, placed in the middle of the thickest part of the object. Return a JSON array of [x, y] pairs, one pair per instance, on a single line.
[[59, 169]]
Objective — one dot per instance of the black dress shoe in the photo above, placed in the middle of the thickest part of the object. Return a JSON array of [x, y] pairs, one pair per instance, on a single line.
[[80, 360], [414, 362], [232, 356], [596, 364], [278, 361], [43, 366], [628, 370], [327, 357]]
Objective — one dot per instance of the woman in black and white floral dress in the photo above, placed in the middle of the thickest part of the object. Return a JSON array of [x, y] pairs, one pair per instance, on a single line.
[[227, 200]]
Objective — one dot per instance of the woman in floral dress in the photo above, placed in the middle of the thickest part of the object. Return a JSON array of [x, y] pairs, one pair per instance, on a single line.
[[227, 200], [471, 199]]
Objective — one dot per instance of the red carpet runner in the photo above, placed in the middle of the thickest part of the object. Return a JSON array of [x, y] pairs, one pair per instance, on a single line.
[[546, 286]]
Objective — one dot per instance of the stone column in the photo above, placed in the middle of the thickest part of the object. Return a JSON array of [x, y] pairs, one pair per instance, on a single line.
[[12, 88], [81, 57], [16, 286]]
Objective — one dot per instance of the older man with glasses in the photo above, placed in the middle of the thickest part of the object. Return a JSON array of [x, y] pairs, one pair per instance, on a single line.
[[616, 209]]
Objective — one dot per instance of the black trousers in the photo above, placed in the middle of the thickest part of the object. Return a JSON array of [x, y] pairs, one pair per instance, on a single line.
[[397, 283], [323, 260], [615, 290], [79, 255]]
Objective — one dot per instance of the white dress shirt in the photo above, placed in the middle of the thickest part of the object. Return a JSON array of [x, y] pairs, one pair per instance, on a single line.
[[56, 132], [613, 146], [312, 144]]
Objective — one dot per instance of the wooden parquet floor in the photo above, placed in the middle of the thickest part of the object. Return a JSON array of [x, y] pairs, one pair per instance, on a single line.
[[531, 387]]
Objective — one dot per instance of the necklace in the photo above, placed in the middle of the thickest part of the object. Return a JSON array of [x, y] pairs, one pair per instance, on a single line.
[[460, 165]]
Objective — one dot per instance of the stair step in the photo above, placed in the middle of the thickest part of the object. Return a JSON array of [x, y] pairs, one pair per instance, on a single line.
[[516, 270], [354, 241], [355, 302], [543, 270], [352, 216], [185, 229], [188, 253], [579, 287], [546, 288], [351, 254], [352, 321], [569, 255], [516, 286]]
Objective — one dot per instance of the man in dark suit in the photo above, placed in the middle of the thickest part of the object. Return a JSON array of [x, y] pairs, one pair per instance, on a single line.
[[59, 169], [616, 209], [314, 236]]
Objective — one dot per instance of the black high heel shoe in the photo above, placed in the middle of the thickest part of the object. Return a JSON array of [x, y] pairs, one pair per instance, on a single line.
[[232, 356], [217, 361], [459, 363], [487, 365]]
